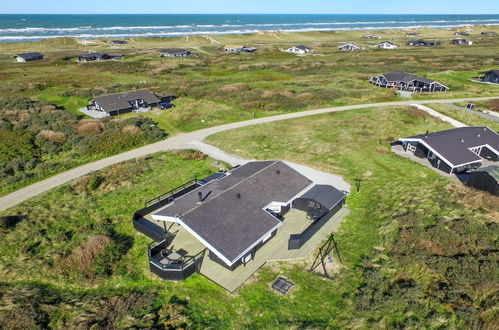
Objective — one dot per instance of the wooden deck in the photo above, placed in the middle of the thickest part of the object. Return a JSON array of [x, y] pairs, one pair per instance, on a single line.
[[276, 249]]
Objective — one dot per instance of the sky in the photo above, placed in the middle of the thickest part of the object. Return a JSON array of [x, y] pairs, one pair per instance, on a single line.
[[249, 6]]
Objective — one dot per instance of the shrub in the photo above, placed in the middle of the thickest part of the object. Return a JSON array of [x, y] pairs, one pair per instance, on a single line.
[[52, 136], [89, 127], [94, 182]]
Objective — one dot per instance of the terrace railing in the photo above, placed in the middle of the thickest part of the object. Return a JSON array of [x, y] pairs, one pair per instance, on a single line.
[[147, 227], [184, 268]]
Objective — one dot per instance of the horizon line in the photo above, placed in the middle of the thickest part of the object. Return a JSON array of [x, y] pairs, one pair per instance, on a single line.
[[488, 14]]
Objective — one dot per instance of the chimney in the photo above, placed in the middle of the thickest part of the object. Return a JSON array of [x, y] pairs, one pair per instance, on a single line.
[[200, 197]]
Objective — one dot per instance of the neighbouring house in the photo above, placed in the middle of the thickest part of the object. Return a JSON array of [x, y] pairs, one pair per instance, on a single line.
[[461, 42], [423, 43], [369, 36], [97, 57], [491, 76], [28, 57], [350, 47], [298, 50], [412, 34], [455, 150], [118, 103], [387, 45], [232, 215], [485, 178], [118, 42], [238, 49], [489, 33], [463, 34], [407, 82], [175, 53]]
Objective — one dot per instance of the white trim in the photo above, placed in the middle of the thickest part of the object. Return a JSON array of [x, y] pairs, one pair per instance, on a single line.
[[257, 241], [208, 245], [435, 152], [443, 158]]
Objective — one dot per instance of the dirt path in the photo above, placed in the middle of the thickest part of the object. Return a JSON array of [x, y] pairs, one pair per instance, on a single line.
[[180, 142]]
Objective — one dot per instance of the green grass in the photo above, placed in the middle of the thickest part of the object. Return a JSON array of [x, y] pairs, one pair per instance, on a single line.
[[418, 249], [409, 229], [69, 103], [216, 88], [465, 117]]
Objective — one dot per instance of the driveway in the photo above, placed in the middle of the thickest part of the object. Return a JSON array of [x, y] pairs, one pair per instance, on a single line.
[[318, 177], [180, 142]]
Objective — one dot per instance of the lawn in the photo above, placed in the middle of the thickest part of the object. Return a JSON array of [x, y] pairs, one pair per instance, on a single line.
[[215, 88], [465, 117], [418, 250]]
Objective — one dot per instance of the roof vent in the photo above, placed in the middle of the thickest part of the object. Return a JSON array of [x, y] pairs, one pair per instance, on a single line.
[[426, 134], [478, 135], [462, 140], [238, 195], [278, 172], [200, 197]]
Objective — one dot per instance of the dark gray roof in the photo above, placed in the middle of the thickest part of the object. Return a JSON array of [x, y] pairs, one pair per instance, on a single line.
[[327, 196], [119, 42], [496, 72], [423, 42], [174, 51], [454, 144], [231, 217], [30, 56], [91, 55], [214, 176], [302, 47], [397, 76], [119, 101]]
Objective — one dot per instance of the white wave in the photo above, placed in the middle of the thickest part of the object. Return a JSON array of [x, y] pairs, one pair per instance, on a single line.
[[248, 25], [217, 32]]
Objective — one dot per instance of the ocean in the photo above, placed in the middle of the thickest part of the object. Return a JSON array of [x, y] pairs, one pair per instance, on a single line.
[[15, 28]]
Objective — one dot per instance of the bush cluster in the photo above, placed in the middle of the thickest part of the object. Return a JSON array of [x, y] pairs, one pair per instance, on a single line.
[[36, 137]]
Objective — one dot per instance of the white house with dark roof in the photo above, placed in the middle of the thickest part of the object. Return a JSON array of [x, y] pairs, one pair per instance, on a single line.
[[407, 82], [350, 48], [300, 49], [455, 150], [461, 42], [387, 45], [28, 57]]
